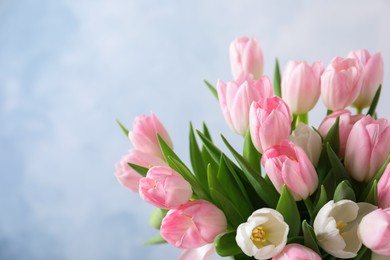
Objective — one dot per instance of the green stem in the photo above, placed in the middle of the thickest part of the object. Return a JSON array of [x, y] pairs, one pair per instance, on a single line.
[[359, 110], [294, 122], [309, 206], [304, 118]]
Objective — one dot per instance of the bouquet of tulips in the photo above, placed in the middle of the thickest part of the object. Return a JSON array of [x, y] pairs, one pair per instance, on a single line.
[[296, 191]]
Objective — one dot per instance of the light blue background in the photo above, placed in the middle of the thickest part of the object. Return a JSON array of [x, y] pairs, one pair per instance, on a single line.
[[69, 68]]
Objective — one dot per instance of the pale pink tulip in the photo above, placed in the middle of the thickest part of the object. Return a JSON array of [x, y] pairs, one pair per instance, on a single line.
[[246, 57], [346, 122], [373, 73], [270, 122], [374, 231], [384, 189], [193, 224], [297, 252], [309, 140], [129, 177], [288, 164], [201, 253], [236, 97], [164, 188], [301, 85], [341, 83], [368, 146], [144, 134]]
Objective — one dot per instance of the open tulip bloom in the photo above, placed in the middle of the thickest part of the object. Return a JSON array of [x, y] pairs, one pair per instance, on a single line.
[[296, 191]]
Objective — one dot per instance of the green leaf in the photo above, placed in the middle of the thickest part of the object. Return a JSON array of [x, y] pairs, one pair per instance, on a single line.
[[376, 178], [197, 162], [333, 137], [322, 200], [156, 217], [310, 239], [250, 153], [344, 191], [124, 129], [212, 89], [337, 166], [213, 185], [226, 245], [214, 151], [277, 79], [157, 239], [288, 208], [374, 103], [372, 196], [232, 213], [242, 256], [330, 184], [139, 169], [363, 253]]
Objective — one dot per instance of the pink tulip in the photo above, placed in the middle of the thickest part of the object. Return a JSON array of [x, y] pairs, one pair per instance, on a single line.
[[374, 231], [246, 57], [368, 146], [164, 188], [129, 177], [384, 189], [236, 97], [144, 135], [373, 73], [193, 224], [288, 164], [297, 252], [341, 83], [270, 122], [346, 123], [201, 253], [301, 85]]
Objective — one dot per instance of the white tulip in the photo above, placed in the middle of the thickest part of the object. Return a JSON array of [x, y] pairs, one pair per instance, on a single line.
[[264, 235], [336, 227], [309, 140]]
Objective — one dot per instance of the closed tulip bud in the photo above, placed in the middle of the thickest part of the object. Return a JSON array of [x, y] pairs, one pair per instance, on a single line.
[[193, 224], [368, 146], [309, 140], [164, 188], [341, 83], [236, 97], [384, 189], [129, 177], [295, 252], [270, 122], [246, 57], [288, 164], [346, 122], [301, 85], [374, 231], [373, 73], [144, 135]]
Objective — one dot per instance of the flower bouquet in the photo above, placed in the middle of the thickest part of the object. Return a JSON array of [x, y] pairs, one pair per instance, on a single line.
[[296, 191]]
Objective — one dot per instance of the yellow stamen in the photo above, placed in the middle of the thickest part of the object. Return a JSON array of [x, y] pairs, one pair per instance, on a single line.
[[341, 225], [258, 236]]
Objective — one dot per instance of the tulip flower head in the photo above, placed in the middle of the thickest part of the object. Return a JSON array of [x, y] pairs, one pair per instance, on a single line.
[[384, 189], [297, 252]]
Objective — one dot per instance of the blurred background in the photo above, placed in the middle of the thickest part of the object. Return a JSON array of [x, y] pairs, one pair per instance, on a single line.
[[69, 68]]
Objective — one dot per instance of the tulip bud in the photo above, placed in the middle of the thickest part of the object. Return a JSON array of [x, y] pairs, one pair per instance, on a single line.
[[144, 135], [309, 140], [341, 83], [129, 177], [164, 188], [288, 164], [301, 86], [368, 146], [193, 224], [236, 97], [373, 73], [270, 122], [374, 231], [384, 189], [346, 121], [246, 57], [297, 251]]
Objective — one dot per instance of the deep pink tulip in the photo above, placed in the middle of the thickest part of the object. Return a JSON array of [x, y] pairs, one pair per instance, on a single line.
[[297, 252], [270, 122], [368, 146], [374, 231], [384, 189], [346, 122], [373, 73], [193, 224], [301, 85], [129, 177], [164, 188], [236, 97], [341, 83], [288, 164], [246, 57], [144, 134]]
